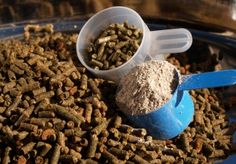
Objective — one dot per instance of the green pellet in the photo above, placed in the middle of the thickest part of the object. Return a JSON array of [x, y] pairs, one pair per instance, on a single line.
[[56, 154], [106, 39], [121, 44], [84, 82], [46, 114], [96, 63], [100, 53], [94, 87], [92, 146]]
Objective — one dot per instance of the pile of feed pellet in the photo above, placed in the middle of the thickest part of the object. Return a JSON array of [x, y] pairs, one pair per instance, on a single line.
[[52, 110], [114, 46]]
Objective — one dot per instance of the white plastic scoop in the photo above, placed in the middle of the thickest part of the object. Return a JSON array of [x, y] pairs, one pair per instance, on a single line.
[[154, 43]]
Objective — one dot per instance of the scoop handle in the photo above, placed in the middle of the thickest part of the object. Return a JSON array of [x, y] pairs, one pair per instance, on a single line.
[[208, 80], [170, 41]]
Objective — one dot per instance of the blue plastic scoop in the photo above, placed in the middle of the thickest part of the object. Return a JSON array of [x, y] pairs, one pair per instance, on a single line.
[[208, 80], [174, 117]]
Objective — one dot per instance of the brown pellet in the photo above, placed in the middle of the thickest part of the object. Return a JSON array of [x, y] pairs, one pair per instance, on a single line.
[[88, 112], [6, 158], [133, 139], [92, 146], [125, 128], [28, 147], [117, 120], [100, 53], [44, 68], [83, 142], [63, 112], [56, 154], [98, 129], [21, 160], [218, 154], [167, 158], [66, 158], [139, 132], [97, 113], [109, 156], [70, 124], [44, 95], [121, 154], [199, 117], [191, 160], [39, 91], [61, 139], [93, 87], [112, 142], [17, 70], [11, 75], [48, 134], [84, 82], [39, 121], [185, 142], [21, 135], [217, 122], [198, 144], [74, 131], [75, 154], [13, 106], [44, 147], [2, 109], [106, 39], [2, 119], [208, 149], [39, 160], [8, 86], [138, 159], [28, 127], [96, 103]]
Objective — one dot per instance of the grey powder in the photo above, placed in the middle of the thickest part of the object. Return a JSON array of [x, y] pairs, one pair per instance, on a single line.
[[147, 87]]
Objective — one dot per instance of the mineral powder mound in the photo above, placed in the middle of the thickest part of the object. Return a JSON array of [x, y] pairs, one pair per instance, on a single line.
[[147, 87]]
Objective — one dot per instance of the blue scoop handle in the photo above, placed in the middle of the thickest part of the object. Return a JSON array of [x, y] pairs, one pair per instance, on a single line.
[[208, 80]]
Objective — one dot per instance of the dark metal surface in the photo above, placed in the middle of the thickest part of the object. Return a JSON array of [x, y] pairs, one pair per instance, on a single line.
[[211, 14]]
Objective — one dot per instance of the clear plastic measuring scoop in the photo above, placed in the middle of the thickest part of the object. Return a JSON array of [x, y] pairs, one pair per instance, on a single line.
[[154, 43]]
